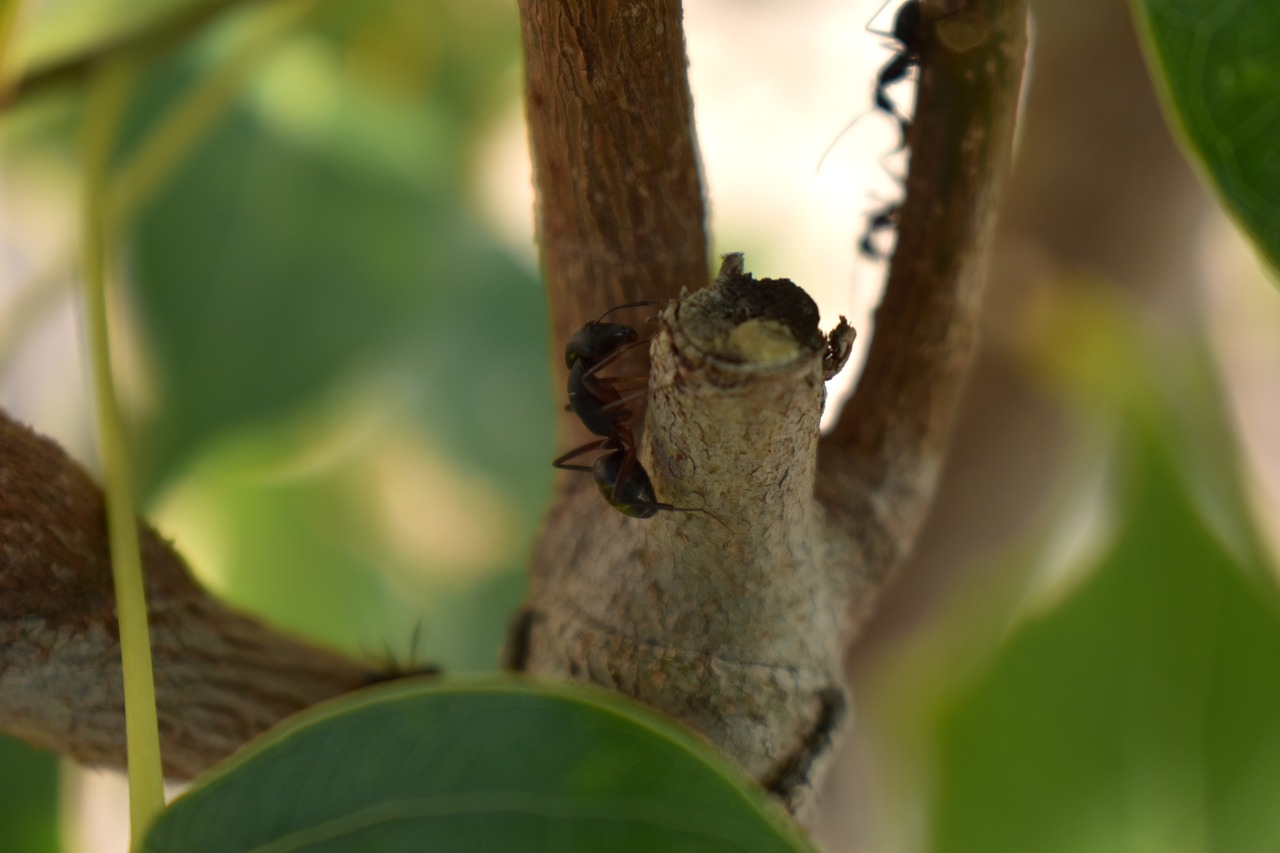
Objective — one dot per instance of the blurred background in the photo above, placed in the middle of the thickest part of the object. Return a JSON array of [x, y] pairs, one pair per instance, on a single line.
[[333, 350]]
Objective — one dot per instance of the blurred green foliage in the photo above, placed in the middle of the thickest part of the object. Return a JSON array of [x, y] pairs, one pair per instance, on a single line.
[[28, 797], [1141, 713], [1118, 694]]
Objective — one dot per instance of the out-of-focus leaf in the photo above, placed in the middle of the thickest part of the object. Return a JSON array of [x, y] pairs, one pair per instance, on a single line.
[[1143, 713], [496, 766], [1216, 64], [28, 799], [349, 527], [318, 232], [316, 245], [57, 29]]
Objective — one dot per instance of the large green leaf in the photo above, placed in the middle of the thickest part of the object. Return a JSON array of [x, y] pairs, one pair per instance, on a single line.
[[1141, 714], [495, 766], [1216, 63]]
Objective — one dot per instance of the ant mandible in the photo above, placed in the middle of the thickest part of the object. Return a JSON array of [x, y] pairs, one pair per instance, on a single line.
[[602, 408]]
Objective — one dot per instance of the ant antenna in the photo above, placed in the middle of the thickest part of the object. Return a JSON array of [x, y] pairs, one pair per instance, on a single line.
[[831, 147], [879, 11], [639, 304]]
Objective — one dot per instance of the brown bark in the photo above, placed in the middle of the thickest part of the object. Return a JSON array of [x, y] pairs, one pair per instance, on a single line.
[[221, 678], [728, 616], [884, 456], [734, 620], [620, 213], [733, 616]]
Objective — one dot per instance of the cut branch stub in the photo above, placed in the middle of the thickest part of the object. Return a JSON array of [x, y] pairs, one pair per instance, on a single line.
[[729, 619], [735, 394]]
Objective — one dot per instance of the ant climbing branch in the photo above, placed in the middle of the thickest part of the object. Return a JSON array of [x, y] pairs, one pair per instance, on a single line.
[[601, 406], [911, 51]]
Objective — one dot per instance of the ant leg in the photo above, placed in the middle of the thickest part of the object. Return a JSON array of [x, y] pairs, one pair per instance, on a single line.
[[625, 383], [619, 403], [560, 461], [881, 220], [658, 506], [895, 71], [611, 357]]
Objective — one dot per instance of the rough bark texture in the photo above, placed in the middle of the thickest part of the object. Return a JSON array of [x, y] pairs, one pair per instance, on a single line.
[[728, 619], [734, 620], [221, 678], [732, 615], [620, 213], [883, 459]]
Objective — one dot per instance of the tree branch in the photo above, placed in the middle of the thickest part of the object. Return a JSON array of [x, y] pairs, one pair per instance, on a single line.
[[699, 612], [619, 210], [880, 465], [221, 678], [730, 612]]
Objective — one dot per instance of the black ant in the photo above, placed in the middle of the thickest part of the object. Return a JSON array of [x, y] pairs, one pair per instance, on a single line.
[[602, 408], [908, 34], [620, 476], [884, 219], [595, 399]]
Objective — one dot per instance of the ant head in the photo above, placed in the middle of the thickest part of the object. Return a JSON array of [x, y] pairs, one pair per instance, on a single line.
[[597, 340], [906, 24]]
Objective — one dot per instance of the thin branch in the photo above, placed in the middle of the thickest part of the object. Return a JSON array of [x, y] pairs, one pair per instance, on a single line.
[[620, 211], [221, 678], [879, 467]]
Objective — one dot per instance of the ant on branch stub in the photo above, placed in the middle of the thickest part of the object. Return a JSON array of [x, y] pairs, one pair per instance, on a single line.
[[601, 405]]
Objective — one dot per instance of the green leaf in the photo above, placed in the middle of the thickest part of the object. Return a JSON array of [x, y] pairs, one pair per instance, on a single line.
[[1141, 714], [319, 234], [483, 766], [1216, 63], [60, 29], [28, 798]]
